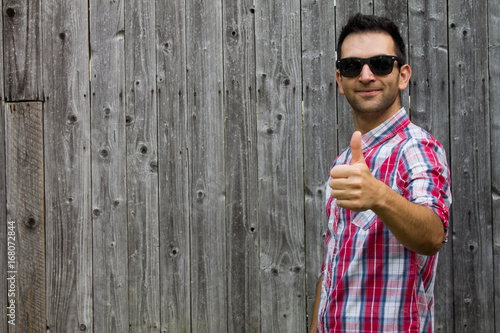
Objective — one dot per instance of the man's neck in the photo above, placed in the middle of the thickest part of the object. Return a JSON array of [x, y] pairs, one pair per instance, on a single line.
[[366, 122]]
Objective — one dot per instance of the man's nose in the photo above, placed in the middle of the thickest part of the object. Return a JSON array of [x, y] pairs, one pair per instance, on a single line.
[[366, 73]]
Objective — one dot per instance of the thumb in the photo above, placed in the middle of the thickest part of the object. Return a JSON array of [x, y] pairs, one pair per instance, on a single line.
[[356, 148]]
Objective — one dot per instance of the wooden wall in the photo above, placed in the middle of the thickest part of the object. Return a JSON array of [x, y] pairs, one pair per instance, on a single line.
[[162, 163]]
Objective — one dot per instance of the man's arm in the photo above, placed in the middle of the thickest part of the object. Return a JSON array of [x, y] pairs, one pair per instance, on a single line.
[[314, 323], [416, 227]]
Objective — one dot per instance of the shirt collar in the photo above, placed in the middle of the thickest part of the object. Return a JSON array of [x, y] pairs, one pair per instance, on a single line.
[[386, 130]]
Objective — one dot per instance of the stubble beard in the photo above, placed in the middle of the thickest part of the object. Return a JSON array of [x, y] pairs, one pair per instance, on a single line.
[[371, 109]]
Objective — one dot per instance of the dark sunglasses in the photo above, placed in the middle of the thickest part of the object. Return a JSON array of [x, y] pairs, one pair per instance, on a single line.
[[379, 65]]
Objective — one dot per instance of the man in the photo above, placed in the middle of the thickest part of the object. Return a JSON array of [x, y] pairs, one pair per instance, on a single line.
[[387, 196]]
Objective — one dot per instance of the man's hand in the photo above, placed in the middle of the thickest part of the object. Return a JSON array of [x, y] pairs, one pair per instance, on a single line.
[[353, 185]]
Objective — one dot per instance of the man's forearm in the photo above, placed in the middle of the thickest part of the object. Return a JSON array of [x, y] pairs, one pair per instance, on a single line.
[[416, 227], [314, 322]]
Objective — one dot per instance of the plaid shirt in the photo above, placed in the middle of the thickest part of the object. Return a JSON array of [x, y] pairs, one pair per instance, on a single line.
[[372, 283]]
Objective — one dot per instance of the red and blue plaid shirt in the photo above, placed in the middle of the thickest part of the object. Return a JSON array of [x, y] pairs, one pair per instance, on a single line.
[[372, 283]]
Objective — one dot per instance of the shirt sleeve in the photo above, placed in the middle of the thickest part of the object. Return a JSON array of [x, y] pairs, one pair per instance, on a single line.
[[424, 177]]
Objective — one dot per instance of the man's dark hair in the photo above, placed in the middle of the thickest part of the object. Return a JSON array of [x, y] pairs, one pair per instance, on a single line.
[[370, 23]]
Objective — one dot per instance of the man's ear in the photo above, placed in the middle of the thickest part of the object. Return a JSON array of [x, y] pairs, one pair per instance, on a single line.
[[404, 76], [339, 82]]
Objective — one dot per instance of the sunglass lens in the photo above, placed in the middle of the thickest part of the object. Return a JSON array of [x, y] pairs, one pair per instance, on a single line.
[[351, 67], [381, 65]]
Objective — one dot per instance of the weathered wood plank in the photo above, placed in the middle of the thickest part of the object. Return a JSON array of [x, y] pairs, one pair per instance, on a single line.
[[142, 166], [206, 158], [23, 50], [344, 10], [471, 176], [241, 167], [109, 149], [320, 130], [174, 219], [3, 196], [67, 164], [25, 217], [281, 197], [429, 90], [494, 88]]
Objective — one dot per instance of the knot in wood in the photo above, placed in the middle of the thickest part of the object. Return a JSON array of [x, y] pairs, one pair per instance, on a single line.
[[174, 252], [107, 112], [72, 119], [104, 153], [153, 166], [11, 12], [129, 120], [143, 149], [30, 222], [200, 194]]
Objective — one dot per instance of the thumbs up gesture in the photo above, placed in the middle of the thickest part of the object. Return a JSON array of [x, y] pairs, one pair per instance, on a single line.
[[354, 187]]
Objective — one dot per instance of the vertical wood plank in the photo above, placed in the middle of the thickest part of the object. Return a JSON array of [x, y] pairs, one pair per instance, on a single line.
[[109, 192], [67, 166], [25, 216], [3, 196], [344, 10], [241, 167], [206, 158], [174, 219], [494, 88], [429, 90], [471, 175], [23, 50], [320, 130], [142, 166], [281, 198]]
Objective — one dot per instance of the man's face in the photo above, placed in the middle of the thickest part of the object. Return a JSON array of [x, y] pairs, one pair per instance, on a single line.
[[370, 95]]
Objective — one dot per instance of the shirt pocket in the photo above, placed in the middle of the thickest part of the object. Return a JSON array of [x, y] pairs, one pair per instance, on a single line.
[[363, 220]]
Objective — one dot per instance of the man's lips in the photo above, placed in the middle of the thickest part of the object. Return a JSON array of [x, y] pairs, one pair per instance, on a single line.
[[368, 92]]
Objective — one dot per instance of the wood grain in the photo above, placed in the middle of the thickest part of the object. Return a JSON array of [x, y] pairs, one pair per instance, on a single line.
[[280, 166], [25, 216], [67, 137], [470, 144], [109, 168], [22, 50], [242, 197], [173, 168]]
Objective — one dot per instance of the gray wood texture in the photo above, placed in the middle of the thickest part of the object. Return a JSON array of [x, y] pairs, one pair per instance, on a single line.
[[166, 160], [242, 196], [206, 165], [109, 167], [22, 50], [3, 198], [494, 69], [67, 151], [280, 166], [471, 175], [142, 167], [25, 215], [173, 168]]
